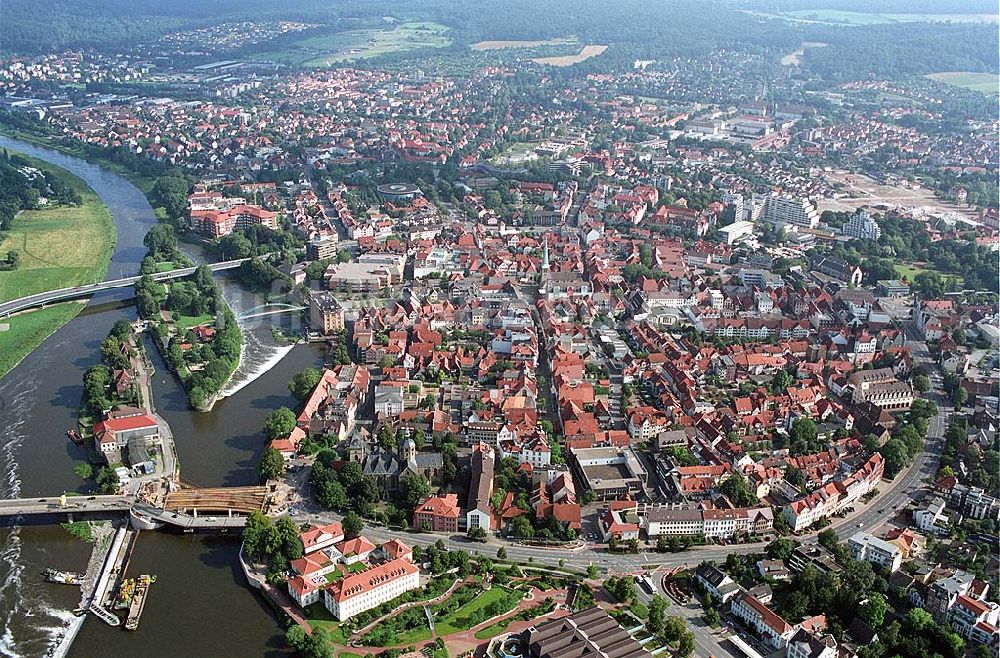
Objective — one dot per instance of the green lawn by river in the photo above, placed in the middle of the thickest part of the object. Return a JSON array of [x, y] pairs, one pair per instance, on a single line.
[[20, 334], [59, 247]]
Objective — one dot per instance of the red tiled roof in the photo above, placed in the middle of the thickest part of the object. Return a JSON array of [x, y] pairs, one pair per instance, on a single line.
[[363, 581]]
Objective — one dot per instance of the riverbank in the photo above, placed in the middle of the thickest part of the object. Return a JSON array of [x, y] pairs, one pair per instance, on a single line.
[[20, 334], [57, 247], [55, 143], [218, 448]]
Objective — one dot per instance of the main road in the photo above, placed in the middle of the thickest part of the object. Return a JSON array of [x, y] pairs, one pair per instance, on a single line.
[[881, 509], [57, 505], [63, 294]]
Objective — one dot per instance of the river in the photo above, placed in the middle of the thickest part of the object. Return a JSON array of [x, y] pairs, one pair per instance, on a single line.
[[200, 604]]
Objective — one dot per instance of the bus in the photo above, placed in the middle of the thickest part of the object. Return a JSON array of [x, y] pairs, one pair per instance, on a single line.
[[646, 583], [743, 648]]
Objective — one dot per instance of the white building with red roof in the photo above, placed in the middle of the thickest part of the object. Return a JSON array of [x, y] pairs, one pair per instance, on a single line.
[[113, 433], [768, 624], [355, 550], [320, 537], [350, 575], [370, 588], [975, 620]]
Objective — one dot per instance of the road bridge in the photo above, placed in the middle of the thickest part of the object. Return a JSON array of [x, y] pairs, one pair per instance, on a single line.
[[154, 517], [64, 505], [188, 509], [78, 292]]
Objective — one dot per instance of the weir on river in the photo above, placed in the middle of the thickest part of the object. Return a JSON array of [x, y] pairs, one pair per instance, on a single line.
[[38, 400]]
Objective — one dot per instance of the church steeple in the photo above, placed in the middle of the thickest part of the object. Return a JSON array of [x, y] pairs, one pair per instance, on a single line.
[[545, 254], [410, 451]]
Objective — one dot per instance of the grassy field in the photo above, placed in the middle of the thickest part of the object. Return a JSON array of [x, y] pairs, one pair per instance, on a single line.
[[491, 631], [501, 45], [59, 247], [910, 270], [988, 83], [569, 60], [459, 620], [866, 18], [20, 334], [185, 322], [326, 50], [415, 635], [319, 617], [839, 17]]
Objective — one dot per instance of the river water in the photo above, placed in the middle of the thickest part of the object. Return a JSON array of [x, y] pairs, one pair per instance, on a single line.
[[200, 604]]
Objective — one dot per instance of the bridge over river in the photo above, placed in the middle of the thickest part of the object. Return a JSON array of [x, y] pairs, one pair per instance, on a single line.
[[64, 294], [187, 509]]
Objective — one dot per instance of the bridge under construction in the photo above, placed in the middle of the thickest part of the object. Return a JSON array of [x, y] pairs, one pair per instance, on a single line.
[[189, 509]]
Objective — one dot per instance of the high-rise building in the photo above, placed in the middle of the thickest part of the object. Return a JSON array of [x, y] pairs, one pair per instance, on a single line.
[[326, 315], [734, 211], [862, 226], [786, 210]]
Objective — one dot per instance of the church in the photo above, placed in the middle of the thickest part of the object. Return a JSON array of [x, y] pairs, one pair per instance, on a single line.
[[388, 468]]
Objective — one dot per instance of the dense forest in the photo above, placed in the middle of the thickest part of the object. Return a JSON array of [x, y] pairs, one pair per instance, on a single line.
[[884, 6], [632, 28]]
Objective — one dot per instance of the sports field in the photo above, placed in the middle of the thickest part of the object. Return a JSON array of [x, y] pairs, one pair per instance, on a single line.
[[988, 83]]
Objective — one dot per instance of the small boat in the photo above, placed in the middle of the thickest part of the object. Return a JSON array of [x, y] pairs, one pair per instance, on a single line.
[[74, 436], [62, 577]]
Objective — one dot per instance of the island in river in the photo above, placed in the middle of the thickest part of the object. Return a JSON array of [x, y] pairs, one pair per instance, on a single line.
[[200, 587]]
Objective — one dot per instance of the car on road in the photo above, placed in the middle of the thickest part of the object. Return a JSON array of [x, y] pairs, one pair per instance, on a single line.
[[860, 524]]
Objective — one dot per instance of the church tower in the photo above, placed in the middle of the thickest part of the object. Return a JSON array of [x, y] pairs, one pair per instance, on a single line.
[[410, 451]]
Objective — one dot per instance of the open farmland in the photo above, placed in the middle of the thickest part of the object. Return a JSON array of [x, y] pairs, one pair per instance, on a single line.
[[569, 60], [988, 83], [353, 45], [840, 17], [501, 45], [794, 58]]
